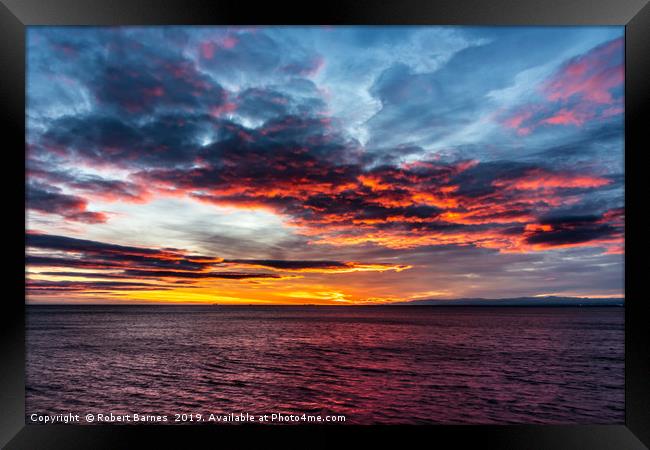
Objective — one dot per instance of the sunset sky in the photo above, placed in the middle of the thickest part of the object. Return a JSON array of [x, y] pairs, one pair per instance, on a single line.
[[323, 165]]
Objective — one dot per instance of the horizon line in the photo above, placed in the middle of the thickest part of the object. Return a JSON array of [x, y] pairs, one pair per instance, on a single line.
[[476, 301]]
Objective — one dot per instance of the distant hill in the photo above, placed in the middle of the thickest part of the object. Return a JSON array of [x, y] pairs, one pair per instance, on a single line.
[[518, 301]]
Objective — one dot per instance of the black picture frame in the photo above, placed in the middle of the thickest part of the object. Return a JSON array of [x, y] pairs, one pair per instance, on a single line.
[[15, 15]]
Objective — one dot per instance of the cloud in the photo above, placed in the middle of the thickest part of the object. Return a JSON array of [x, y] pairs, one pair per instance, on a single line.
[[265, 103], [92, 186], [539, 179], [71, 207], [136, 265], [303, 170], [592, 77], [318, 266], [586, 88], [453, 102], [307, 170], [41, 286], [112, 255], [559, 231], [134, 77], [117, 141], [253, 53], [204, 275], [156, 274]]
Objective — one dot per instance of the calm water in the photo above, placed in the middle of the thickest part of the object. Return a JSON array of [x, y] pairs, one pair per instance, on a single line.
[[371, 364]]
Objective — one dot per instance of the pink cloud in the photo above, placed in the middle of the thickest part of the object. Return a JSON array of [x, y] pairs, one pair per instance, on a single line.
[[590, 76], [207, 49], [580, 91], [567, 117], [227, 107], [516, 120], [229, 42]]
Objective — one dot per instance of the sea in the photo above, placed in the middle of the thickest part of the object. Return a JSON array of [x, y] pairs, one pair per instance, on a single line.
[[358, 364]]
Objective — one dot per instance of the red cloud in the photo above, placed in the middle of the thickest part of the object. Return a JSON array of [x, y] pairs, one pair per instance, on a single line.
[[424, 203], [539, 179]]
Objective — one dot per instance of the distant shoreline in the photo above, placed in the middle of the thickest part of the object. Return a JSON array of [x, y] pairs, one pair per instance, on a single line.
[[534, 302]]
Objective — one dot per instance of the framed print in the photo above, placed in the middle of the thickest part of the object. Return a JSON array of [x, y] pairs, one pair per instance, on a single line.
[[370, 220]]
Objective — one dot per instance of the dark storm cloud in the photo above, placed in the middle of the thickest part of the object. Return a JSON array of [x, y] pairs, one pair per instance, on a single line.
[[205, 275], [53, 261], [557, 230], [572, 234], [111, 255], [35, 286], [108, 275], [479, 180], [291, 265], [262, 104], [137, 78], [52, 201], [64, 243], [111, 140], [162, 274]]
